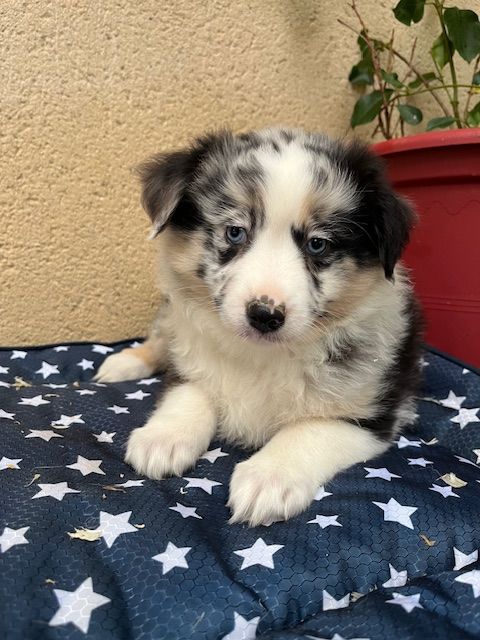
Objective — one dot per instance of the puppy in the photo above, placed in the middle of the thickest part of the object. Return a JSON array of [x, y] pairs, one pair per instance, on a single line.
[[290, 326]]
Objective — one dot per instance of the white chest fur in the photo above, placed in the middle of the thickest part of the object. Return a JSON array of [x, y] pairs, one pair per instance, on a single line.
[[257, 389]]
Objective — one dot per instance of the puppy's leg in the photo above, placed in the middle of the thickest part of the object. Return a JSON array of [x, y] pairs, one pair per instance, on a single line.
[[142, 361], [281, 479], [134, 363], [175, 436]]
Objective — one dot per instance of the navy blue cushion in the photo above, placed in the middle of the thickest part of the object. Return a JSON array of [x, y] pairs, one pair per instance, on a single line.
[[375, 556]]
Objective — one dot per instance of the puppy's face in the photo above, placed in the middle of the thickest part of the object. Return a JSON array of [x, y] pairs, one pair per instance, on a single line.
[[281, 230]]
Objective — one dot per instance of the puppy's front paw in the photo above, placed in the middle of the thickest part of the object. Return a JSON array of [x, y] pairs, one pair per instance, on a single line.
[[123, 366], [261, 492], [157, 452]]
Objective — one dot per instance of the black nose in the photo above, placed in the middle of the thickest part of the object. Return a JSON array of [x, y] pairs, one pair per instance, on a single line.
[[264, 315]]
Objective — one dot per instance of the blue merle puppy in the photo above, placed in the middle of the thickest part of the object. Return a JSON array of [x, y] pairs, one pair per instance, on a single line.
[[289, 323]]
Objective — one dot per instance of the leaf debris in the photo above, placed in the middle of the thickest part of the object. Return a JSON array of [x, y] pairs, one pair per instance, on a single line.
[[453, 481], [90, 535], [427, 541]]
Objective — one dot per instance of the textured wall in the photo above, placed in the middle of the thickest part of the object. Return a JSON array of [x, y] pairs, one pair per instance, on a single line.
[[88, 89]]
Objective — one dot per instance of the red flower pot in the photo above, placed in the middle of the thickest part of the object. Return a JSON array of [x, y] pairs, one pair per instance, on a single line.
[[440, 174]]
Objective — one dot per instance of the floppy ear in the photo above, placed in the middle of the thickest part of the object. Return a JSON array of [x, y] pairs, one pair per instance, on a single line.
[[164, 179], [393, 229]]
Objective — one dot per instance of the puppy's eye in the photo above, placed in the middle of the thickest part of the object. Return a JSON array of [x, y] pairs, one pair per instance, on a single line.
[[317, 246], [236, 235]]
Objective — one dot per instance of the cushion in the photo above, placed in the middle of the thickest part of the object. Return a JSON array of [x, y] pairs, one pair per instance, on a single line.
[[388, 549]]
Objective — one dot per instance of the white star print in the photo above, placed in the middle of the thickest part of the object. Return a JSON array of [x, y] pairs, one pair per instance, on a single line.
[[47, 369], [8, 463], [56, 490], [86, 466], [86, 392], [148, 381], [11, 537], [135, 344], [475, 451], [259, 553], [137, 395], [5, 384], [186, 512], [213, 454], [85, 364], [397, 578], [62, 348], [419, 462], [465, 371], [45, 434], [453, 401], [65, 421], [113, 526], [202, 483], [4, 369], [382, 473], [243, 629], [77, 606], [395, 512], [472, 578], [446, 492], [336, 636], [172, 557], [464, 559], [409, 603], [466, 461], [466, 416], [6, 415], [329, 602], [51, 385], [321, 493], [36, 401], [101, 348], [104, 436], [130, 483], [18, 354], [325, 521], [403, 442], [116, 409]]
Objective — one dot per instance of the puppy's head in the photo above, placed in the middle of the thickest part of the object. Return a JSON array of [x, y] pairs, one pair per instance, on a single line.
[[279, 230]]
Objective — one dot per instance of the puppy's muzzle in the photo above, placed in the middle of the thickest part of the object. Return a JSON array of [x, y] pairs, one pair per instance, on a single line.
[[265, 315]]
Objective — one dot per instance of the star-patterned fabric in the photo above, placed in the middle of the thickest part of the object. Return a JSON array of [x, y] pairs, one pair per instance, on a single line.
[[89, 549]]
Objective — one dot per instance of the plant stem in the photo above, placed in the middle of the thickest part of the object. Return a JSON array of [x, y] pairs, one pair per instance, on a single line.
[[470, 93], [424, 82], [454, 101], [385, 127]]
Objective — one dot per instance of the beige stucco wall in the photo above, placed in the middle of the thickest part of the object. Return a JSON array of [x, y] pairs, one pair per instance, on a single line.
[[90, 88]]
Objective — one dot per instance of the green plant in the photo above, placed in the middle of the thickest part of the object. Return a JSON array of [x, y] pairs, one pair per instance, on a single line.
[[389, 79]]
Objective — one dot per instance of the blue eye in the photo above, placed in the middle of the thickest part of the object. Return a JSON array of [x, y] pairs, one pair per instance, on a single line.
[[236, 235], [317, 246]]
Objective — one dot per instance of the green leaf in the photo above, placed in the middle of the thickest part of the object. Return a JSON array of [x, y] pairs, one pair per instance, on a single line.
[[363, 46], [408, 11], [428, 77], [361, 74], [411, 115], [442, 50], [367, 108], [392, 79], [476, 78], [463, 30], [440, 123], [473, 117]]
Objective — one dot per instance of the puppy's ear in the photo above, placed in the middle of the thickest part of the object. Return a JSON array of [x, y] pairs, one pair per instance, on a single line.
[[393, 227], [164, 178]]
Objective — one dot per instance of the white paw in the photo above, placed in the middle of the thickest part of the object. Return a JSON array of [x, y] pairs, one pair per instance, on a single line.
[[122, 366], [157, 452], [262, 492]]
